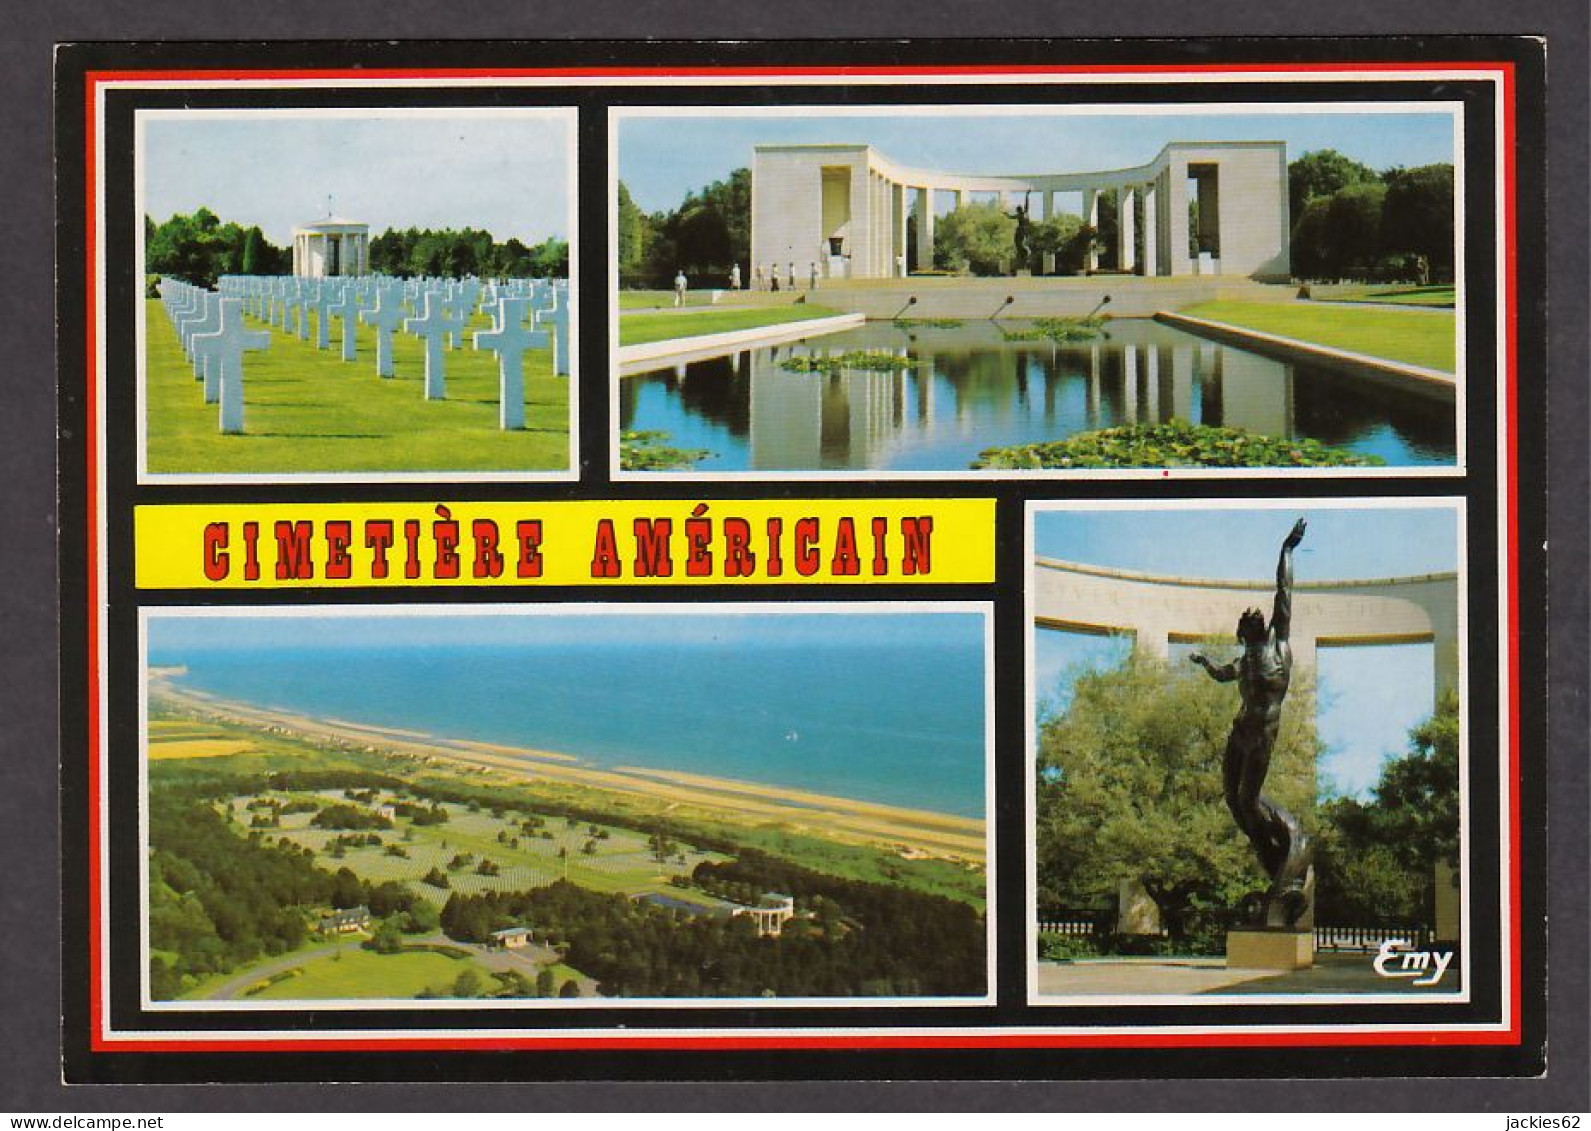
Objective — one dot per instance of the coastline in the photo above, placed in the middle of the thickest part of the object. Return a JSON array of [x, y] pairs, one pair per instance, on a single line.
[[911, 832]]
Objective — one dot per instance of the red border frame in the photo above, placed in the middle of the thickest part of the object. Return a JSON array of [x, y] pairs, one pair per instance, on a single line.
[[100, 1040]]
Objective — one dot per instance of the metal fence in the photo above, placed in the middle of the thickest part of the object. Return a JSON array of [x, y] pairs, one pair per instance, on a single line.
[[1369, 938], [1078, 923]]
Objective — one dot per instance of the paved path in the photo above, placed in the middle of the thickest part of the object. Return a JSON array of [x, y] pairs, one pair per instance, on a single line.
[[1123, 977], [234, 987]]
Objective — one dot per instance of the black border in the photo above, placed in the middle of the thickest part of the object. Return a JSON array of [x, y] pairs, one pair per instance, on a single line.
[[594, 390]]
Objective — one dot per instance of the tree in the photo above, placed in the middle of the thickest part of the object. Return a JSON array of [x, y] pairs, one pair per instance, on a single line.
[[976, 237], [1417, 217], [1381, 855], [467, 984], [570, 988], [1321, 173], [545, 982], [1130, 788], [1353, 227], [1067, 238]]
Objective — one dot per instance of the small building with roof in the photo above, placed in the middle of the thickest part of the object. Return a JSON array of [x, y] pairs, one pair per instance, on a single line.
[[332, 247]]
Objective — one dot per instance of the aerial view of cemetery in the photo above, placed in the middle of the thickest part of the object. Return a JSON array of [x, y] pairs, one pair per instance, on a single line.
[[365, 807], [1247, 764], [425, 325], [872, 290]]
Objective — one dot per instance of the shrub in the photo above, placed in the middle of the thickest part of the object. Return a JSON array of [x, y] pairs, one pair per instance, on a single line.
[[1175, 444]]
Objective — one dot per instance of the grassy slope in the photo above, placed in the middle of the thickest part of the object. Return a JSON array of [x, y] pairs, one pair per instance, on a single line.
[[1414, 337], [365, 974], [305, 410], [1398, 294], [638, 329]]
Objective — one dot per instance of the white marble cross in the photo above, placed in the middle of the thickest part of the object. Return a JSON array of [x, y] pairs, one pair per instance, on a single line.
[[510, 341], [208, 323], [320, 298], [225, 350], [386, 316], [558, 318], [347, 308], [434, 326]]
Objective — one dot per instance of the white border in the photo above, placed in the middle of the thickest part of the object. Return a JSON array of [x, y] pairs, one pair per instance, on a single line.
[[618, 115], [567, 116], [1031, 512], [983, 609]]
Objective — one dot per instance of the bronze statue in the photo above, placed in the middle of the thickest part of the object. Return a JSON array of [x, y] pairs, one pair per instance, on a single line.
[[1019, 238], [1263, 672]]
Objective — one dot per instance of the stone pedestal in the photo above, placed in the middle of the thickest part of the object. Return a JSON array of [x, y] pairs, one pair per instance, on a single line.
[[1024, 273], [1270, 950]]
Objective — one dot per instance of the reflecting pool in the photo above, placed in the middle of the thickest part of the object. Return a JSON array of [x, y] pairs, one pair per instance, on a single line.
[[968, 389]]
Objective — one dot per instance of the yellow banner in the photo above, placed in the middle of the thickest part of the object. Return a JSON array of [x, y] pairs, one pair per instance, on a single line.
[[637, 542]]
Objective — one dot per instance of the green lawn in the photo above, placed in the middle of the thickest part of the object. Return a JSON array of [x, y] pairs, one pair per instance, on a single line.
[[638, 329], [366, 974], [1413, 337], [306, 410], [1401, 294], [619, 863]]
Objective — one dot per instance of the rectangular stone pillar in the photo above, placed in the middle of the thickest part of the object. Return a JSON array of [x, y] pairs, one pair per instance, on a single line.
[[925, 228], [1126, 228], [1178, 261], [898, 264], [1152, 259], [1091, 218], [1047, 211]]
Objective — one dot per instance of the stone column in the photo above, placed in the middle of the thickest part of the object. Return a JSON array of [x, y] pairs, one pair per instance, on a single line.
[[1046, 212], [925, 229], [1152, 258], [1126, 227], [898, 264], [1177, 262], [1091, 218]]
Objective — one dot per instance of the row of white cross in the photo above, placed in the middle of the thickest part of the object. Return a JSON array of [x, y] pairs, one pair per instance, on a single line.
[[214, 337]]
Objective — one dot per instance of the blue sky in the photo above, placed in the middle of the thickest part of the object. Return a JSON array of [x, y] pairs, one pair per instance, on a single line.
[[660, 159], [508, 175], [1369, 697], [170, 636]]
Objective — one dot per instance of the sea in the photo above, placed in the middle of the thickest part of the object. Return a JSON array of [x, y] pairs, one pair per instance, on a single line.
[[867, 721]]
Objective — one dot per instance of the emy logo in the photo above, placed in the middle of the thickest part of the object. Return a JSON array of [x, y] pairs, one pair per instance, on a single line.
[[1399, 958]]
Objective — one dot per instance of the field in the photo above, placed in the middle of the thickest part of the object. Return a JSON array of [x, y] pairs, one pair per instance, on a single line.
[[306, 410], [1416, 337], [639, 329], [356, 973], [619, 860], [1398, 294]]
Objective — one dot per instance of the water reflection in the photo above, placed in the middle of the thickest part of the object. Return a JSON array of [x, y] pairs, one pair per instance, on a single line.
[[967, 389]]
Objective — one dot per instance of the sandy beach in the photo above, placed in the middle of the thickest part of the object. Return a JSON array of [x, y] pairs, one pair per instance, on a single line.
[[912, 832]]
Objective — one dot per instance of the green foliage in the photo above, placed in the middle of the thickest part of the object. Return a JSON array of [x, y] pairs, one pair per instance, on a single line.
[[1068, 239], [1062, 331], [976, 237], [471, 251], [1378, 858], [349, 817], [1351, 222], [649, 451], [875, 361], [708, 233], [200, 249], [1319, 174], [1174, 444], [928, 323], [1130, 788]]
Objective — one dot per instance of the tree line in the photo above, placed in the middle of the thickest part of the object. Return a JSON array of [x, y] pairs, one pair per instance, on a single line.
[[200, 248], [1352, 222], [1130, 788], [860, 939]]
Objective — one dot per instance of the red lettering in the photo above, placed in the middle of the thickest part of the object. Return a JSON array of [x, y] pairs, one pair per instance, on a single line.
[[338, 536], [605, 554], [739, 561], [698, 540], [251, 552], [845, 563], [488, 562], [411, 539], [807, 561], [918, 533], [293, 560], [378, 537], [773, 565], [216, 562], [651, 547], [528, 532], [880, 559]]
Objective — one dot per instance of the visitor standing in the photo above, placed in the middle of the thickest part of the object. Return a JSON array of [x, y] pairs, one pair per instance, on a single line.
[[812, 278], [679, 287], [734, 277]]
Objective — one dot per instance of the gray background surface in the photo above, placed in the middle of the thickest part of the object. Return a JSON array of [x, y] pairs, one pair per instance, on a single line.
[[29, 969]]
